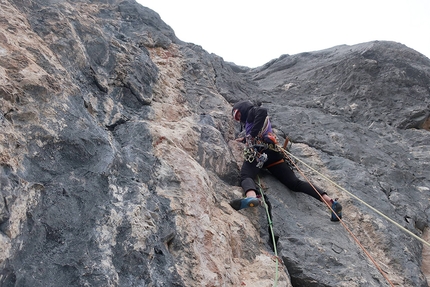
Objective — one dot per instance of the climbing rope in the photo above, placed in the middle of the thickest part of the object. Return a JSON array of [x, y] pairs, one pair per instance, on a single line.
[[287, 154], [270, 222], [290, 158]]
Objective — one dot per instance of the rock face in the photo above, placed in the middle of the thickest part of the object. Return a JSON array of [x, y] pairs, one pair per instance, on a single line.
[[117, 158]]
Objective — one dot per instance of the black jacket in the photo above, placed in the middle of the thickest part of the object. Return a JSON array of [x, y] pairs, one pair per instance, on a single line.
[[252, 117]]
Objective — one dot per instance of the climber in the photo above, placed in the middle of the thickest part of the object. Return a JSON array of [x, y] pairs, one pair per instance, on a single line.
[[262, 151]]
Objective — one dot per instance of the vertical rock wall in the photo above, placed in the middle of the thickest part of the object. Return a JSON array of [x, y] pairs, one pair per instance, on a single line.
[[117, 159]]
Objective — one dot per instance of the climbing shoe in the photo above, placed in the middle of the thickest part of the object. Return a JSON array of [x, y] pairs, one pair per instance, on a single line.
[[242, 203], [337, 208]]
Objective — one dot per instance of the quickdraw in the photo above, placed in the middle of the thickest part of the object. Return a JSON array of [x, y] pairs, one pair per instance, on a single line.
[[250, 154], [261, 160]]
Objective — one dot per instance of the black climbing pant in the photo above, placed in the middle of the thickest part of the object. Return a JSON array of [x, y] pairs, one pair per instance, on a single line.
[[281, 171]]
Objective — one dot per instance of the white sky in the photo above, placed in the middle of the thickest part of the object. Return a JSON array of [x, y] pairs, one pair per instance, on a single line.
[[251, 34]]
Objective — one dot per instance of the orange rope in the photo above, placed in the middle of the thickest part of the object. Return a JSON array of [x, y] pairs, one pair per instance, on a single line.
[[343, 223]]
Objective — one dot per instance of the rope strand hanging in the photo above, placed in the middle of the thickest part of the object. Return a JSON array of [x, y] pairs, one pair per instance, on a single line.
[[270, 222], [342, 222], [289, 155]]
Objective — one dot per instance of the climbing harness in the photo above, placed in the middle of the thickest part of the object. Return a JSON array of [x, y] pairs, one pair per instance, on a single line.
[[275, 163], [254, 150]]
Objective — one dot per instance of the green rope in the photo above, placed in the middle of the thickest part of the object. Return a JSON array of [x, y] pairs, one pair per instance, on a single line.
[[269, 219]]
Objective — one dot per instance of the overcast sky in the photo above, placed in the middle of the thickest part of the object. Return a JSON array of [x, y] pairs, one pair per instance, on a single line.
[[250, 33]]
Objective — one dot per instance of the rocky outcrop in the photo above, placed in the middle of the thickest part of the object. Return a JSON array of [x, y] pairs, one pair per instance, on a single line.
[[117, 158]]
